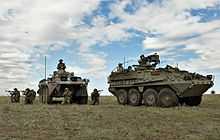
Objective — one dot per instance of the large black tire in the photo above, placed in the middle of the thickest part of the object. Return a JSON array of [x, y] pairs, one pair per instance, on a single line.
[[193, 101], [167, 98], [150, 97], [122, 96], [134, 97]]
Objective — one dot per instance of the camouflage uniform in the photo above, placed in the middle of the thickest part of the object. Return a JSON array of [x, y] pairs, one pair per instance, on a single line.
[[120, 68], [15, 96], [33, 95], [143, 61], [61, 67], [95, 97], [28, 96], [67, 96]]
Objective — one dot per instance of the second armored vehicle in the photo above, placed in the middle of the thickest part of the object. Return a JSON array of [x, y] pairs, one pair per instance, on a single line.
[[166, 87], [52, 89]]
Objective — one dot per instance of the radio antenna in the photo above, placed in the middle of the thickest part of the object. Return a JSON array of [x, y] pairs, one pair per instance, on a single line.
[[45, 70], [124, 61]]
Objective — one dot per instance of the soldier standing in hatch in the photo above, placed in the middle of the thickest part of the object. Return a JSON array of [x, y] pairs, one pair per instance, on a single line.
[[141, 61], [95, 97], [120, 68], [67, 96], [61, 66]]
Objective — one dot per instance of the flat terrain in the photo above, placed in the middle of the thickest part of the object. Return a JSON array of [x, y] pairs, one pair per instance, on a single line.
[[109, 121]]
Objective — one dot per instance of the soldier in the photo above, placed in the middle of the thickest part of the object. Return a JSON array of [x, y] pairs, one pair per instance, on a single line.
[[144, 61], [95, 97], [28, 96], [67, 96], [120, 68], [17, 95], [61, 66], [141, 61], [33, 95]]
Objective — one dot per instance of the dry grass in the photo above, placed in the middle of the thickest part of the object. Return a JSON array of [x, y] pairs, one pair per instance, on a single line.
[[109, 121]]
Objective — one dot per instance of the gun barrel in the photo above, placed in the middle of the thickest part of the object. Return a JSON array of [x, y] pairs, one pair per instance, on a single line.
[[8, 91]]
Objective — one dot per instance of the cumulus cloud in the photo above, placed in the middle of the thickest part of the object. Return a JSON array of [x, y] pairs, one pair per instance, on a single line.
[[174, 26], [32, 28]]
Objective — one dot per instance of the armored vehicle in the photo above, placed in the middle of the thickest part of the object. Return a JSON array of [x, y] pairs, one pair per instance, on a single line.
[[52, 89], [151, 86]]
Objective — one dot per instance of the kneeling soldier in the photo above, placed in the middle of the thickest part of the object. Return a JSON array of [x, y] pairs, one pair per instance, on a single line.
[[28, 96], [95, 97]]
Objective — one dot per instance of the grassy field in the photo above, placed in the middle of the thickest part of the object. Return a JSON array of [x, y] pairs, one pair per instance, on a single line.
[[109, 121]]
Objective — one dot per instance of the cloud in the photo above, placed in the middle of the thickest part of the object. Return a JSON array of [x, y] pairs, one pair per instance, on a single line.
[[30, 29], [174, 26]]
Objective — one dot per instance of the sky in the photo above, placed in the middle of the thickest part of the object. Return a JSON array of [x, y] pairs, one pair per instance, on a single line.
[[93, 36]]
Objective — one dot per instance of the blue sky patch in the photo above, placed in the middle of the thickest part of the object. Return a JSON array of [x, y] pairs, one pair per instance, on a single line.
[[208, 14]]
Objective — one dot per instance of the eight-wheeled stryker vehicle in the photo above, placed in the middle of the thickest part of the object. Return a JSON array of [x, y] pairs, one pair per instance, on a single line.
[[52, 89], [151, 86]]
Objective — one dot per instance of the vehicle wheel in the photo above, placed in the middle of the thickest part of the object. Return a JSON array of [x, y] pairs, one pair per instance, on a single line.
[[167, 98], [150, 97], [134, 97], [193, 101], [122, 96]]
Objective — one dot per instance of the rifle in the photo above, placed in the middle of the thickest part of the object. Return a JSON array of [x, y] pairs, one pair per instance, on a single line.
[[9, 91]]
